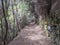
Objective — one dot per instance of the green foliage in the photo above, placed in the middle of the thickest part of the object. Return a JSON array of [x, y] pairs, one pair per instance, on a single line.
[[56, 17], [55, 34], [18, 16]]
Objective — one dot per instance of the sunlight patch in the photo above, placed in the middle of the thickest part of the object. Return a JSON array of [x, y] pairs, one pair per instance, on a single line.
[[35, 37]]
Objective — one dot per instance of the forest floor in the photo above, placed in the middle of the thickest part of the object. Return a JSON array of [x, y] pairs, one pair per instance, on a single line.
[[31, 35]]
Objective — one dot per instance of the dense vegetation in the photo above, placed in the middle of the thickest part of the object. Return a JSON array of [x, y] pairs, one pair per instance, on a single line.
[[16, 14]]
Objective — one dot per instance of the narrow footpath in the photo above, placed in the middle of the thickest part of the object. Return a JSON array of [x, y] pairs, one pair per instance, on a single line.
[[31, 35]]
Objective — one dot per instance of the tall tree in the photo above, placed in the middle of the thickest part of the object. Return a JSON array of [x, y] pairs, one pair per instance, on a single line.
[[5, 5]]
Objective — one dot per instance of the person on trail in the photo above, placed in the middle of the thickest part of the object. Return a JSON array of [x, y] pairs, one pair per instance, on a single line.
[[49, 29]]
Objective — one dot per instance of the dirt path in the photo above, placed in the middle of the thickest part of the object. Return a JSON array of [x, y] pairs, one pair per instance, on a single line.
[[31, 35]]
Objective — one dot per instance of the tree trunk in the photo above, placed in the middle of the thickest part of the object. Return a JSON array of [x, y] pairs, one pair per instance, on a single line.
[[5, 12]]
